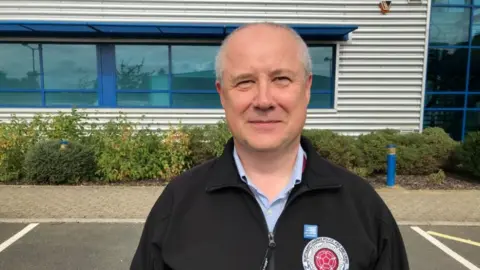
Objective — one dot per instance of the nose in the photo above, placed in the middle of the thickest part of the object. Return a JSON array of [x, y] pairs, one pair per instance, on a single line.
[[263, 98]]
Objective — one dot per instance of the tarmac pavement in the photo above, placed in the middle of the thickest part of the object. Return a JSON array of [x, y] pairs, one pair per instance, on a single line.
[[98, 227], [79, 246]]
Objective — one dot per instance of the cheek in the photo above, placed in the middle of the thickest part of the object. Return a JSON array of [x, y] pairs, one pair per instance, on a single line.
[[239, 101], [291, 100]]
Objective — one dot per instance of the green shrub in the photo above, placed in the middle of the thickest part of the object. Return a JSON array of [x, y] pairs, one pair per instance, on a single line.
[[127, 154], [16, 137], [66, 126], [49, 162], [424, 153], [437, 178], [338, 149], [125, 151], [208, 141], [124, 154], [372, 152], [176, 152], [468, 154]]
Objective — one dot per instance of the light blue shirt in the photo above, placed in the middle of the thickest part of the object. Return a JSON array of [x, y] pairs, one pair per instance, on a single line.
[[272, 210]]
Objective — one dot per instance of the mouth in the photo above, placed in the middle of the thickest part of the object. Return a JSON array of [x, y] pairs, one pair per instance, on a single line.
[[264, 122]]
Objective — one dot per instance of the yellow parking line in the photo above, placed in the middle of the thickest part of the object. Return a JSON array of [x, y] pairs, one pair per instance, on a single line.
[[466, 241]]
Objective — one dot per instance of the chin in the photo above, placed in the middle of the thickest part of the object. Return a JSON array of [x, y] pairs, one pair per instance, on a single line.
[[264, 142]]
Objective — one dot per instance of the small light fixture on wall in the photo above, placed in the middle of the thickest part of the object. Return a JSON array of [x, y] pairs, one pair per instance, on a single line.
[[385, 6]]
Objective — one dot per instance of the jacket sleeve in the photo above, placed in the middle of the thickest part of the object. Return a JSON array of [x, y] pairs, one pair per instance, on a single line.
[[148, 255], [392, 252]]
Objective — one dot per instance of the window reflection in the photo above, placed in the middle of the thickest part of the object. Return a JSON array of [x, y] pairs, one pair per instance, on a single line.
[[19, 66], [141, 67], [448, 120], [473, 121], [71, 99], [145, 75], [322, 67], [70, 66], [184, 100], [474, 84], [193, 67], [476, 27], [449, 26], [440, 74], [20, 98], [452, 2], [320, 101], [444, 101], [143, 99], [473, 101]]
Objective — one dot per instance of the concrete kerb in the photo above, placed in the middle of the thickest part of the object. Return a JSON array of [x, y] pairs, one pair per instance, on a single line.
[[140, 221]]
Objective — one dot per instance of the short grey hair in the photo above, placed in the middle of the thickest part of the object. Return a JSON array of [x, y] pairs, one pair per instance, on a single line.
[[305, 54]]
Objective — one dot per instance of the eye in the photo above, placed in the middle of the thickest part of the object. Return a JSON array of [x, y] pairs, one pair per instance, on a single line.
[[282, 80], [244, 83]]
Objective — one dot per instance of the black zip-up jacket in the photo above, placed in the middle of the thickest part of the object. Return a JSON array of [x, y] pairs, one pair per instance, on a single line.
[[208, 219]]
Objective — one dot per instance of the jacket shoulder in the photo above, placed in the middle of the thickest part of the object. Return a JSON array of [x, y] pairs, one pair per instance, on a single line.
[[193, 178], [361, 192]]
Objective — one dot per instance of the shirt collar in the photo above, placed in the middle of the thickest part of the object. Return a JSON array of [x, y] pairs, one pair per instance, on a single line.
[[297, 172]]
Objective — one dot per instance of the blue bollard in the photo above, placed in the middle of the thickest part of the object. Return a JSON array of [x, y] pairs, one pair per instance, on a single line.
[[391, 164], [63, 144]]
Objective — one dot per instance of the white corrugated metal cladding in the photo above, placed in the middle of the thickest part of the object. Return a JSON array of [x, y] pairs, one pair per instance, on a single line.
[[379, 71]]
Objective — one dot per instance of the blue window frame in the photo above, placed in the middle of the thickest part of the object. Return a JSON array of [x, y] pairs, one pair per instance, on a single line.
[[453, 93], [128, 75]]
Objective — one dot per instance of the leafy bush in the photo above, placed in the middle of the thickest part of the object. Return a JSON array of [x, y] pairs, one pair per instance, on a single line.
[[16, 137], [127, 154], [51, 162], [124, 154], [208, 141], [125, 151], [338, 149], [65, 126], [468, 154], [437, 178], [372, 150]]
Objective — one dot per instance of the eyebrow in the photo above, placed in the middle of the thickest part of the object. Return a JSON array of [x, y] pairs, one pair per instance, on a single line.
[[243, 76], [276, 72], [282, 71]]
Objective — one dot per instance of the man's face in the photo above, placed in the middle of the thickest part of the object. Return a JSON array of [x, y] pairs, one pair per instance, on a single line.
[[265, 90]]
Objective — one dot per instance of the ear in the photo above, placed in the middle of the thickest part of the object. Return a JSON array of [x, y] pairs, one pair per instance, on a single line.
[[308, 87], [218, 86]]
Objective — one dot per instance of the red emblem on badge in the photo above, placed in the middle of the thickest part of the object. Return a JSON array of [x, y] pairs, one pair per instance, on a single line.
[[326, 259], [325, 253]]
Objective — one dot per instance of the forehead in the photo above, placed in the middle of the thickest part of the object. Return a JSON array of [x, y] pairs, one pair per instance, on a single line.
[[262, 47]]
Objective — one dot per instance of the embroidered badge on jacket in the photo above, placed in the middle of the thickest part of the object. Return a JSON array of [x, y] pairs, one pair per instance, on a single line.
[[325, 253]]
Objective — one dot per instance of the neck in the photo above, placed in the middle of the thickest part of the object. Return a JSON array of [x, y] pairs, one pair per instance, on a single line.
[[276, 164]]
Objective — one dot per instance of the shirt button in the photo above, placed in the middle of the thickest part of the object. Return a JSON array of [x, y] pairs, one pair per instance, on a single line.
[[269, 212]]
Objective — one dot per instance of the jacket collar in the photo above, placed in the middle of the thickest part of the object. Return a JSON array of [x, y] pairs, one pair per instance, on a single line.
[[318, 173]]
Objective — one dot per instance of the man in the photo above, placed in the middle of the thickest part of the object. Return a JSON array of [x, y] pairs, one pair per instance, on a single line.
[[270, 201]]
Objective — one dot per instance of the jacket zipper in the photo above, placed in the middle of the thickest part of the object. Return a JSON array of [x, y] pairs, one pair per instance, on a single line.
[[269, 259], [268, 263]]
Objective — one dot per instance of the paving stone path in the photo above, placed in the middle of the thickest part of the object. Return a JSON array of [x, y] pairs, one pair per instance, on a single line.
[[121, 202]]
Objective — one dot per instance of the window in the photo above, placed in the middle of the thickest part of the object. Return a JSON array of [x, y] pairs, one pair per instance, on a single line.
[[449, 25], [440, 74], [129, 75], [323, 84], [193, 77], [142, 75], [453, 68], [448, 120], [48, 75]]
